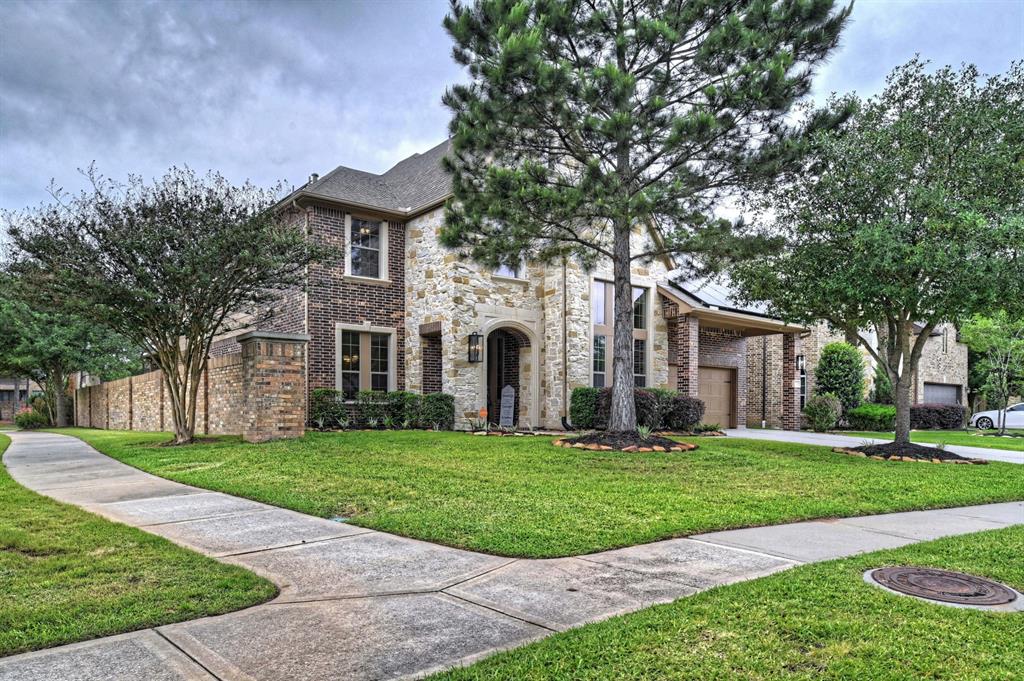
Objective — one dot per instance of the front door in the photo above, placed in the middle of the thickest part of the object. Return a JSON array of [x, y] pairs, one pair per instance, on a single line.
[[495, 374], [717, 391]]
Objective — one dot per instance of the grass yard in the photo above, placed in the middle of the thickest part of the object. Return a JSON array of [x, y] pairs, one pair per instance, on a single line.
[[69, 575], [814, 622], [526, 497], [951, 437]]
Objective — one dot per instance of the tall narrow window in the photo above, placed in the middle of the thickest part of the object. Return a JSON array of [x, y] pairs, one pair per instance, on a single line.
[[639, 308], [365, 255], [600, 363], [598, 302], [349, 363], [802, 368], [640, 362], [379, 349]]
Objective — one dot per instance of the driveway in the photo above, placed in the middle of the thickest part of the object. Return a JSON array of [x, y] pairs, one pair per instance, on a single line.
[[362, 604], [831, 440]]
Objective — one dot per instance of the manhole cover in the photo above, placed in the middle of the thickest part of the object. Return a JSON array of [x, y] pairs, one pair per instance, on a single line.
[[943, 585]]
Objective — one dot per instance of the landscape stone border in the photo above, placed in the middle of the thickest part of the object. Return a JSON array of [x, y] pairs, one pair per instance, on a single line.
[[681, 447], [908, 459]]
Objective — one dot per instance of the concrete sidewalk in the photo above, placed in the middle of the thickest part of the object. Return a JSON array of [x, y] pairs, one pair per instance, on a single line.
[[361, 604], [833, 440]]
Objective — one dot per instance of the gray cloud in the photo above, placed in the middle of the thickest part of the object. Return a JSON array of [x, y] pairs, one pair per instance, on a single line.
[[271, 91]]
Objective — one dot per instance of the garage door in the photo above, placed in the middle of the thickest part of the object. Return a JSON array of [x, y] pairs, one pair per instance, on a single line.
[[717, 392], [941, 393]]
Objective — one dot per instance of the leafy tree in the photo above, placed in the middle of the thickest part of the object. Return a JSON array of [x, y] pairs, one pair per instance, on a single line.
[[911, 214], [882, 392], [168, 265], [840, 372], [999, 339], [588, 119], [49, 347]]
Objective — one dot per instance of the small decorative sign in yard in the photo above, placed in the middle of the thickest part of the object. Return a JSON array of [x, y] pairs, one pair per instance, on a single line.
[[508, 405]]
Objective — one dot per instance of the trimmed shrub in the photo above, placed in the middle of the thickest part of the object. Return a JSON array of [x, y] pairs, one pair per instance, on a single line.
[[327, 409], [437, 410], [402, 408], [872, 417], [882, 392], [822, 411], [664, 397], [30, 419], [583, 407], [840, 372], [372, 407], [646, 403], [686, 413], [936, 416]]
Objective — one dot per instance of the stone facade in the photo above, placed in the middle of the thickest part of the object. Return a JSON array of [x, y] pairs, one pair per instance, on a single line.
[[259, 393], [944, 360], [546, 308]]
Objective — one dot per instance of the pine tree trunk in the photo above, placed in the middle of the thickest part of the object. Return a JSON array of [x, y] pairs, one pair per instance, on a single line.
[[623, 407], [902, 389]]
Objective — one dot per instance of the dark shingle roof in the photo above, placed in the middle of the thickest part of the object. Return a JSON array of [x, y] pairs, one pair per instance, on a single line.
[[714, 293], [412, 183]]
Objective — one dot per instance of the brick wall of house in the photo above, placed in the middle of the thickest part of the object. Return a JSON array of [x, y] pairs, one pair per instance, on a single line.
[[333, 299], [259, 393], [431, 348]]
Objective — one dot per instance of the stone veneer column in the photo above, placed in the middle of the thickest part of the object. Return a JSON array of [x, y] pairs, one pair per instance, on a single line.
[[688, 347], [273, 385], [790, 382]]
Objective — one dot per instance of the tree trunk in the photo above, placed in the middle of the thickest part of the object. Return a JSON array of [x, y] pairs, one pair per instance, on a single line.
[[623, 407], [902, 388], [59, 395]]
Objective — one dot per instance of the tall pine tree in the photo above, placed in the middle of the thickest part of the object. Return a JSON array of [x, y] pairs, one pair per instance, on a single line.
[[587, 118]]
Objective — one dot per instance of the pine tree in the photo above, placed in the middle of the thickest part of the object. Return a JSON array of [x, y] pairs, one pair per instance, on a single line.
[[586, 119]]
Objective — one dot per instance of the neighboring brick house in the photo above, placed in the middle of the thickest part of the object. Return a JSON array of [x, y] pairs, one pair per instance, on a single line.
[[400, 311], [941, 375], [15, 394]]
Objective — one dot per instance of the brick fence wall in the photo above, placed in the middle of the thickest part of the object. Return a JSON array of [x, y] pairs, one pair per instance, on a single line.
[[259, 393]]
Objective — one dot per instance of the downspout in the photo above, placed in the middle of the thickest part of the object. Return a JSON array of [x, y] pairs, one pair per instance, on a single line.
[[565, 349], [764, 381]]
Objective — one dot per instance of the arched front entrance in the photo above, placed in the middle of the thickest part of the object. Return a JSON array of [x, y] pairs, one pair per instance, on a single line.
[[511, 358], [504, 354]]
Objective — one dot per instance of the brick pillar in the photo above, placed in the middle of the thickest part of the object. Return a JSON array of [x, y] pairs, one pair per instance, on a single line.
[[273, 385], [790, 382], [688, 346]]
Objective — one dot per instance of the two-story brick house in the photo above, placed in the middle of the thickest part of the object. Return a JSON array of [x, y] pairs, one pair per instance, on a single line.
[[400, 311]]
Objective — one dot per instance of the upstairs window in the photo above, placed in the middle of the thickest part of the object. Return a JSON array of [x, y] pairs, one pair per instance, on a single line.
[[513, 271], [367, 255], [639, 308]]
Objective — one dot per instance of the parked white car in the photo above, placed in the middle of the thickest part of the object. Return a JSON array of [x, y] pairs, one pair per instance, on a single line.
[[986, 420]]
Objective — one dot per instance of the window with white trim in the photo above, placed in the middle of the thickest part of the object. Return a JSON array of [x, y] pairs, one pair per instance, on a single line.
[[367, 252], [514, 270], [600, 362], [801, 366], [365, 361]]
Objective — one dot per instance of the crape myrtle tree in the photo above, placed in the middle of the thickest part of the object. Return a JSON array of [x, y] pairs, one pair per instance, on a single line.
[[168, 264], [48, 347], [907, 218], [585, 120]]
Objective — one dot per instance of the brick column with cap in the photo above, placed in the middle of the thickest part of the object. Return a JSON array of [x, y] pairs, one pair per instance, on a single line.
[[790, 382], [273, 385]]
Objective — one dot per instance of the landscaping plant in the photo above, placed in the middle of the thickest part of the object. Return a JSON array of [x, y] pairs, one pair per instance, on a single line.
[[586, 121], [840, 372], [822, 412]]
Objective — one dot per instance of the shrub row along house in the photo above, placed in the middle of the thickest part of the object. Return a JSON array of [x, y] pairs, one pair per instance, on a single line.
[[401, 312]]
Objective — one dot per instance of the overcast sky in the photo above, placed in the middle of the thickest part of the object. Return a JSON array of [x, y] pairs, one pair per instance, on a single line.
[[269, 91]]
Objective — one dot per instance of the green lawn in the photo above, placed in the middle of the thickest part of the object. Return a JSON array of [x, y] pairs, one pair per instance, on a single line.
[[951, 437], [814, 622], [68, 575], [525, 497]]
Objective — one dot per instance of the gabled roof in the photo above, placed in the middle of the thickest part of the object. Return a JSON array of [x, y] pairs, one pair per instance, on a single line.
[[713, 298], [413, 184]]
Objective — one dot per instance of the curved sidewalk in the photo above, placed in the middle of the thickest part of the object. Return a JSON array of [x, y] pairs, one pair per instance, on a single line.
[[835, 440], [362, 604]]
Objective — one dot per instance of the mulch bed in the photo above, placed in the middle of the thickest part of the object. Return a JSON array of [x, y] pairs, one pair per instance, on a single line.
[[623, 442], [891, 451]]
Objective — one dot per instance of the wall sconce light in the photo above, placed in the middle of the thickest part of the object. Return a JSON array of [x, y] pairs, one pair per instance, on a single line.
[[476, 342]]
